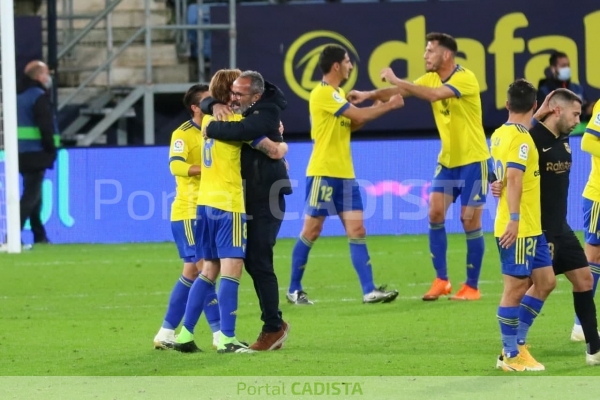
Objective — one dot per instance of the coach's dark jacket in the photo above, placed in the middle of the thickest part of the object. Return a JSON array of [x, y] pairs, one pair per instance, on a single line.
[[36, 127], [264, 176]]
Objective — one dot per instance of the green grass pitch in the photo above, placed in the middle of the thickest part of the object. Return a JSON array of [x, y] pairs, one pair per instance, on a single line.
[[73, 310]]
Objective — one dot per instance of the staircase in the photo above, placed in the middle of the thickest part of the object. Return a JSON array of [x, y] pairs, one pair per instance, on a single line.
[[129, 68], [94, 105]]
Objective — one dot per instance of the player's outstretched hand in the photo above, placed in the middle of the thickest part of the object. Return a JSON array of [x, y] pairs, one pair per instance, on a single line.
[[397, 101], [497, 188], [356, 97], [387, 75], [544, 109], [221, 112], [509, 236]]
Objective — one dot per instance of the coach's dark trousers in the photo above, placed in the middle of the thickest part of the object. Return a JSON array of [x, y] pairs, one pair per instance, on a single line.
[[31, 203], [263, 223]]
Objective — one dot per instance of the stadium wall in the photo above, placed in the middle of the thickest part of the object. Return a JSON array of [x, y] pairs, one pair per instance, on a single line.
[[498, 40], [118, 195]]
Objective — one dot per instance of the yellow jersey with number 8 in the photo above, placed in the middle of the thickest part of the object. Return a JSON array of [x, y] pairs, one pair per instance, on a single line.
[[221, 183]]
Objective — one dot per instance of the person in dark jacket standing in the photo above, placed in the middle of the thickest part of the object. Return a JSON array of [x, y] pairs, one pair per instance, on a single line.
[[38, 140], [266, 184]]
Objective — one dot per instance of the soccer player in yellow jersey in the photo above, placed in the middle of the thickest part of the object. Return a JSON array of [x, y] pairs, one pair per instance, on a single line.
[[590, 143], [331, 188], [221, 225], [524, 252], [184, 163], [463, 162]]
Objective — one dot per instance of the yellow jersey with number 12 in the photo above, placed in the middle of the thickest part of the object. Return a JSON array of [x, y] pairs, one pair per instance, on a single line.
[[330, 132], [458, 119], [185, 147], [592, 188], [221, 183], [513, 147]]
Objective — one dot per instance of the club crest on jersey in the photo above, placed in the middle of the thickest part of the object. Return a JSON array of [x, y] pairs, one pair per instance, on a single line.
[[523, 152], [567, 148], [337, 97], [178, 146]]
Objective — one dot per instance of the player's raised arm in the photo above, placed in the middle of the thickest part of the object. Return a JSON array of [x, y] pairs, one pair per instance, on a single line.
[[430, 94], [356, 97], [361, 116]]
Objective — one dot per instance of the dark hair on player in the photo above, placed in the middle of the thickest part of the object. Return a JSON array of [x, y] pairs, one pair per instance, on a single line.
[[330, 55], [443, 40], [521, 96], [555, 56], [193, 95], [566, 95]]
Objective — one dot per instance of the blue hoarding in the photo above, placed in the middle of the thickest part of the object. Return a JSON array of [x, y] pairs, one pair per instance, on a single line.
[[119, 195], [498, 40]]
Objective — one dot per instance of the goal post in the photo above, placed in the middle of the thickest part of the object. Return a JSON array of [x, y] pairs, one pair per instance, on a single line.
[[10, 219]]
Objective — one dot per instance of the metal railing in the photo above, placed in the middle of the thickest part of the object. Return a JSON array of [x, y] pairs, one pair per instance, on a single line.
[[147, 29]]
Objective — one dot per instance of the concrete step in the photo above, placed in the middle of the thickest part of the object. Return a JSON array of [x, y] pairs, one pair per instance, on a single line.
[[94, 6], [121, 19], [84, 97], [133, 56], [129, 76], [119, 36]]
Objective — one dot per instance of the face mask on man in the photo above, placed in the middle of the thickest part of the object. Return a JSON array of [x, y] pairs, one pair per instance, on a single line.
[[48, 83], [564, 74]]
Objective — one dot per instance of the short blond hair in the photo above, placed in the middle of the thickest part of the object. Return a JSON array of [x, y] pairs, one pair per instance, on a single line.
[[220, 84]]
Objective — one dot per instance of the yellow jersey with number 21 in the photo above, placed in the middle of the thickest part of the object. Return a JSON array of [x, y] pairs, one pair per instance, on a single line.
[[513, 147]]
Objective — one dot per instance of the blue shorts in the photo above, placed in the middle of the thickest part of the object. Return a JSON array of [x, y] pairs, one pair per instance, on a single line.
[[525, 255], [220, 234], [470, 182], [591, 217], [326, 196], [183, 234]]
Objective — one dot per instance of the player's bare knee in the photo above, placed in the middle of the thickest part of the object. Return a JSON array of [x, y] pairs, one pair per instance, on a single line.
[[545, 284], [232, 267], [312, 231], [355, 232], [211, 270], [190, 271], [514, 290], [436, 215], [470, 225], [592, 253], [582, 279]]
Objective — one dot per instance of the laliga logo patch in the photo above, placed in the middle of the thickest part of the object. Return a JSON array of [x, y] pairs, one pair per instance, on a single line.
[[597, 119], [301, 62], [524, 152], [337, 97], [178, 146]]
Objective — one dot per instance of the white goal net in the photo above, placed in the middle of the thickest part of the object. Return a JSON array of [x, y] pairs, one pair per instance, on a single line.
[[9, 176]]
